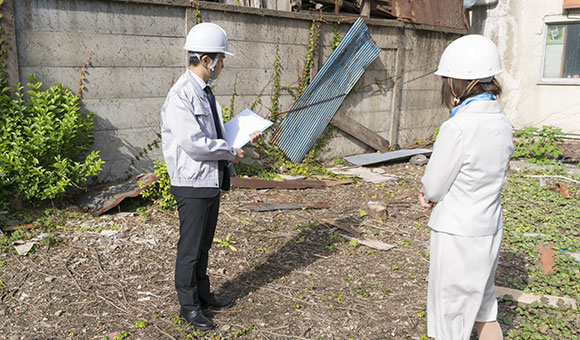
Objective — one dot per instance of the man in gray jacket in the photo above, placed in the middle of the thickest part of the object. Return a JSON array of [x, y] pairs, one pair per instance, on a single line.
[[199, 164]]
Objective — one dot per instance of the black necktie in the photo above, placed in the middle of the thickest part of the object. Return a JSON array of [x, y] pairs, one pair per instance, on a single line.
[[216, 121], [224, 172]]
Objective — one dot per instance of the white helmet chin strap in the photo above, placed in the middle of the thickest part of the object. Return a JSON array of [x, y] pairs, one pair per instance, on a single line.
[[211, 68]]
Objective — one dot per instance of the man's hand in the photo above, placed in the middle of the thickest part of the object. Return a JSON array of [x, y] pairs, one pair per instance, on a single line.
[[424, 204], [255, 135], [239, 155]]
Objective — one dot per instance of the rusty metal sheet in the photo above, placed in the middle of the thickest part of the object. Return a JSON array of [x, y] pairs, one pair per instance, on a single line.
[[443, 13], [102, 198], [262, 206], [568, 4]]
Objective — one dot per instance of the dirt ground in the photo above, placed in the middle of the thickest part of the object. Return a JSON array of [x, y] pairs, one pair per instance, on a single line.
[[291, 276]]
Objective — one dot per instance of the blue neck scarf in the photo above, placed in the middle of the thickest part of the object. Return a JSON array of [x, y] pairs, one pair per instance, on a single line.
[[482, 96]]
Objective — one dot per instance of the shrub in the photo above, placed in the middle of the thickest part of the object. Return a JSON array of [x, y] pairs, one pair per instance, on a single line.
[[160, 191], [44, 142]]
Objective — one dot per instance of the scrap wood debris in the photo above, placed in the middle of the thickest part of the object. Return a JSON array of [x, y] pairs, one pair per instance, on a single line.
[[341, 225], [371, 243], [258, 183], [262, 206], [103, 198], [524, 299]]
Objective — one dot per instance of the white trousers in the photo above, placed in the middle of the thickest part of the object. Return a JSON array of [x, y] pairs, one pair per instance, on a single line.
[[461, 284]]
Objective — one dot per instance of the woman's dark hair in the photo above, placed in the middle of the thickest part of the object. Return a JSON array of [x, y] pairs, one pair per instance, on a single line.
[[193, 60], [459, 88]]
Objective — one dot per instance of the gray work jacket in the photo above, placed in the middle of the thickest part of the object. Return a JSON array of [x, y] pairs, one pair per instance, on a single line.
[[189, 139]]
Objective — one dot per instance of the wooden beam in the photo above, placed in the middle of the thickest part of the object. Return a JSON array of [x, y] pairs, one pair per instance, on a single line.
[[263, 206], [365, 9], [360, 132]]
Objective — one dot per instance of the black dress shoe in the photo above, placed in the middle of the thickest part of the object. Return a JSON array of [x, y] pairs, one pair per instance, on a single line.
[[197, 319], [213, 302]]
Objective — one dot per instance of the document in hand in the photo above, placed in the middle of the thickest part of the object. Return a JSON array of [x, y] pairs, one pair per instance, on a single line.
[[239, 128]]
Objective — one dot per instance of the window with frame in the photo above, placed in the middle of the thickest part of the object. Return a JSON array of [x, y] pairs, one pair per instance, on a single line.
[[562, 52]]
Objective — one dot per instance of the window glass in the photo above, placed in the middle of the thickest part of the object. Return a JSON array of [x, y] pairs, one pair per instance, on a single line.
[[562, 52]]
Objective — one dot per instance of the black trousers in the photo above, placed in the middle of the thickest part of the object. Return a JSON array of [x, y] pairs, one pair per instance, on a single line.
[[197, 222]]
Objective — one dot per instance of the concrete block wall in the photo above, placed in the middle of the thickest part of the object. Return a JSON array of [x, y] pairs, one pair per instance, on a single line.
[[135, 49]]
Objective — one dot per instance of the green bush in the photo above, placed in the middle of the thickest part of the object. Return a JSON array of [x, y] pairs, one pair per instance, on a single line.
[[537, 145], [160, 191], [44, 142]]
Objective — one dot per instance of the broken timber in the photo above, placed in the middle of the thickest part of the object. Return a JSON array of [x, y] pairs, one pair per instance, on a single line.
[[360, 132], [257, 183], [341, 225], [105, 197], [261, 207], [524, 299]]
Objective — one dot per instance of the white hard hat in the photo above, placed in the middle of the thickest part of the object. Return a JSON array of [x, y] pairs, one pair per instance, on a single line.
[[470, 57], [207, 37]]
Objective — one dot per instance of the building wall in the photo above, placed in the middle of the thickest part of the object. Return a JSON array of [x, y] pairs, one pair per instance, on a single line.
[[519, 29], [135, 48]]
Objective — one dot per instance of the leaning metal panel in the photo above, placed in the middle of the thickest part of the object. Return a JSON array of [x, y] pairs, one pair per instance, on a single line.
[[312, 112]]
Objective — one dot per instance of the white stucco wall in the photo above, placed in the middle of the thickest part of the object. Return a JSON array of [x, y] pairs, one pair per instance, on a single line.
[[518, 28]]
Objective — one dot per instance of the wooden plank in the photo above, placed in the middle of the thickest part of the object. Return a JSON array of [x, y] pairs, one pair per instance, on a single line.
[[334, 183], [365, 10], [360, 132], [258, 183], [342, 226], [262, 206], [375, 244], [524, 299], [17, 227]]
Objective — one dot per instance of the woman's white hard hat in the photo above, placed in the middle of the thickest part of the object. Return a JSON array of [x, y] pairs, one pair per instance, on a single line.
[[208, 38], [470, 57]]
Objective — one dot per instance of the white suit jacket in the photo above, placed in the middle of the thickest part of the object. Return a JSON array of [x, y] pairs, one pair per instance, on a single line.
[[467, 170]]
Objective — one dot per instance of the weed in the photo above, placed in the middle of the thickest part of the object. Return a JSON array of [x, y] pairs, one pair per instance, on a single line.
[[225, 243], [121, 336], [362, 292], [141, 324], [537, 145], [245, 331]]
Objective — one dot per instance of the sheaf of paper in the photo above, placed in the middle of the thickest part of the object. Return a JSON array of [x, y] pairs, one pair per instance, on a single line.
[[239, 128]]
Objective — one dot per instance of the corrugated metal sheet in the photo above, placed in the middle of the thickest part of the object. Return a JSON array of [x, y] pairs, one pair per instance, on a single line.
[[568, 4], [375, 157], [445, 13], [312, 112]]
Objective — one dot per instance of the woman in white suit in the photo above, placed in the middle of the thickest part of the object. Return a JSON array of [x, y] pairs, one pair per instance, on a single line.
[[462, 183]]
